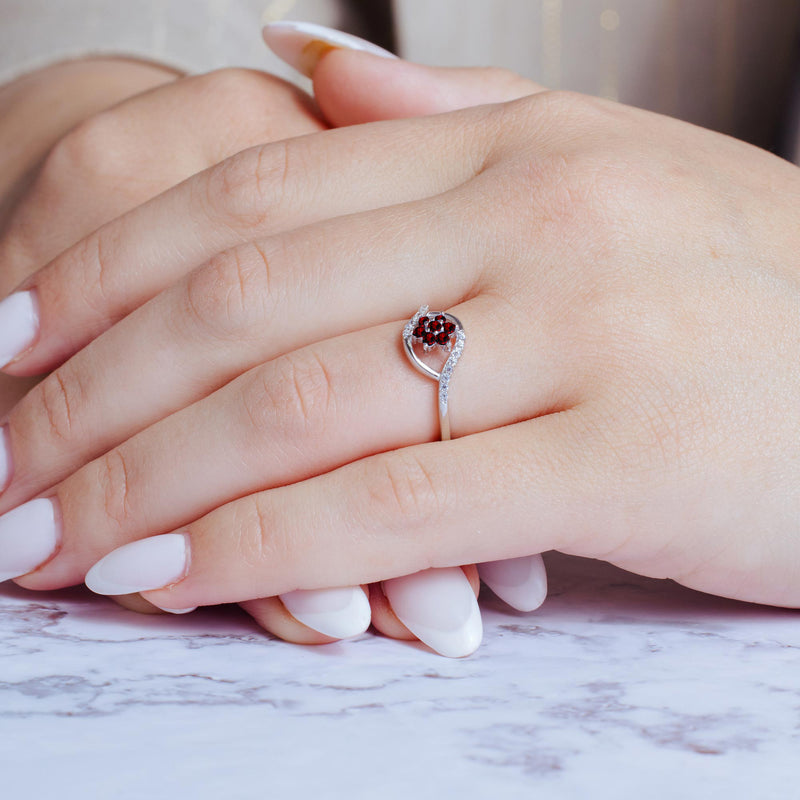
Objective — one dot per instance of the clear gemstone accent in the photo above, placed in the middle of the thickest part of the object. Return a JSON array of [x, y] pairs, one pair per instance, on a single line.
[[447, 370]]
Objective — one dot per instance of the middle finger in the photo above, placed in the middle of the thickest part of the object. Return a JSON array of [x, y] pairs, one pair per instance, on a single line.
[[260, 191], [246, 306]]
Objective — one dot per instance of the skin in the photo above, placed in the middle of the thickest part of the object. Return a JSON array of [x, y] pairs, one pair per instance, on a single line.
[[640, 274], [34, 118], [120, 141]]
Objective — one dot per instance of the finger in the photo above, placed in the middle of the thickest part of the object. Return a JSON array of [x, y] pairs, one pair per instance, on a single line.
[[437, 606], [356, 82], [245, 307], [352, 87], [297, 416], [273, 617], [392, 514], [137, 149], [520, 582], [384, 619], [433, 602], [135, 602], [260, 191], [303, 44], [313, 617], [90, 85], [437, 609], [440, 608]]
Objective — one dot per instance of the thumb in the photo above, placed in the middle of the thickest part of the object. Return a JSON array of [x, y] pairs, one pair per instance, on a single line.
[[356, 81], [353, 87]]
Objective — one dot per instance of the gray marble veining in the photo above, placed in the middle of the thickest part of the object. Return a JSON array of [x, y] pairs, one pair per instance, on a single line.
[[617, 686]]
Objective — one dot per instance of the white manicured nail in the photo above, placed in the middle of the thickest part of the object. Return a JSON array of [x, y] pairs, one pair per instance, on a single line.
[[141, 566], [340, 613], [302, 44], [19, 325], [178, 610], [28, 537], [5, 458], [439, 607], [520, 582]]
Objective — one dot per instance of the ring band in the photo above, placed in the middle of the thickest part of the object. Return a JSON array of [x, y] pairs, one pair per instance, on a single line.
[[432, 331]]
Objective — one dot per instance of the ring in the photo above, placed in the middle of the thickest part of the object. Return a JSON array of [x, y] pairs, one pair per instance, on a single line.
[[436, 331]]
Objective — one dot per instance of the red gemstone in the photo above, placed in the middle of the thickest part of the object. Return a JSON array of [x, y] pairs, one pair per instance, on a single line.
[[450, 327], [419, 331], [435, 326], [429, 338], [423, 320], [442, 338]]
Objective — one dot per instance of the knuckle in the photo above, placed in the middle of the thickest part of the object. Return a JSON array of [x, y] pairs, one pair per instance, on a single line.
[[568, 197], [293, 394], [309, 388], [404, 491], [257, 534], [114, 484], [562, 105], [57, 400], [227, 299], [569, 180], [92, 259], [240, 89], [91, 148], [563, 178], [244, 191]]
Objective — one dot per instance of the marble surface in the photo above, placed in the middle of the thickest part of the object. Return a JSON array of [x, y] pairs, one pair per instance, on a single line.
[[617, 687]]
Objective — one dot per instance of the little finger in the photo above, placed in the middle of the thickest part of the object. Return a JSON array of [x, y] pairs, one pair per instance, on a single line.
[[382, 517]]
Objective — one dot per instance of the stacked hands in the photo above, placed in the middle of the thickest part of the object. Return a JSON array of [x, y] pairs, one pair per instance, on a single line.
[[229, 414]]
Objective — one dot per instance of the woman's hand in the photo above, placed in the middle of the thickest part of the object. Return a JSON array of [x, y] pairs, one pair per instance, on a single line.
[[115, 160], [36, 110], [621, 277], [85, 141]]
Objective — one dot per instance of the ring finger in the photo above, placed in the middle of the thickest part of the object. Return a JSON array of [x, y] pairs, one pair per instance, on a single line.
[[294, 417], [244, 307]]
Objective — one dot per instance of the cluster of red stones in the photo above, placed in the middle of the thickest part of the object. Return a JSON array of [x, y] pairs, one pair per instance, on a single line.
[[434, 330]]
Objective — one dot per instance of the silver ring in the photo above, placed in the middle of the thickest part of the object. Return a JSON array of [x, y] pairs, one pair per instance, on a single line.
[[435, 331]]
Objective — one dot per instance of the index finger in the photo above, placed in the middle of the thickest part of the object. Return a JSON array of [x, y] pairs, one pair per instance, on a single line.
[[260, 191]]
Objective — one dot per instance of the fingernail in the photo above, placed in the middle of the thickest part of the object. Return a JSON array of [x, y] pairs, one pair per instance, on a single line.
[[141, 566], [302, 44], [340, 613], [178, 610], [520, 582], [19, 325], [439, 607], [5, 458], [28, 537]]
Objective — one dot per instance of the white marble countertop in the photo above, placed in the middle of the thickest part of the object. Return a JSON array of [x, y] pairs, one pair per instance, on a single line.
[[617, 687]]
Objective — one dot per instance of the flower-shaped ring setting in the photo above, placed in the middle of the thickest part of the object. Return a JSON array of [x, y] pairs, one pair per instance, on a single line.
[[430, 331]]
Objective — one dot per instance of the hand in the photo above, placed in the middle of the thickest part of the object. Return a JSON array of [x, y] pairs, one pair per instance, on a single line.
[[122, 157], [572, 223], [116, 137], [353, 92], [36, 110]]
